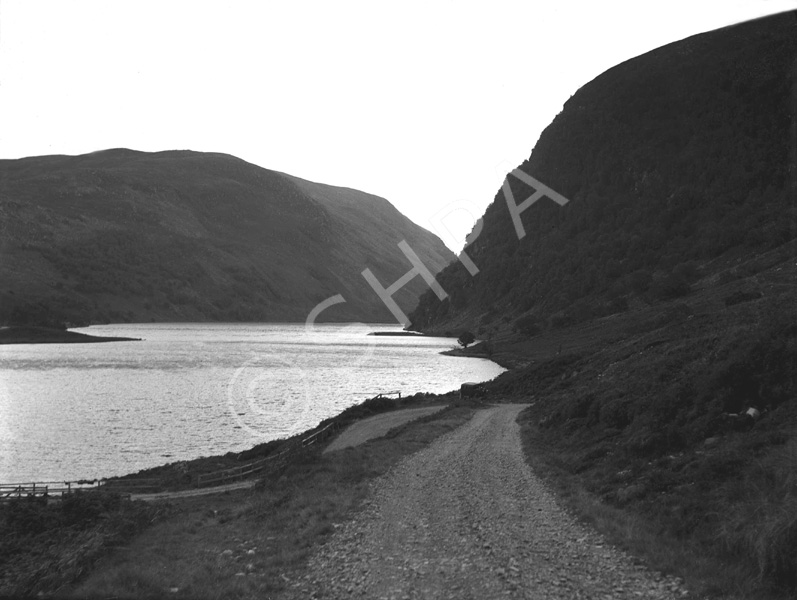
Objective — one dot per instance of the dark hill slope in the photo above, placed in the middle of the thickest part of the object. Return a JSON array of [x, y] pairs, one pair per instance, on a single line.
[[121, 235], [647, 316], [670, 161], [361, 231]]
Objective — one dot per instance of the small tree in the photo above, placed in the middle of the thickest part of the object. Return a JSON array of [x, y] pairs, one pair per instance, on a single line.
[[466, 338]]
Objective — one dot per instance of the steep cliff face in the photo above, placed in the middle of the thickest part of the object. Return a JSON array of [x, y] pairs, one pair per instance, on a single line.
[[121, 235], [673, 163]]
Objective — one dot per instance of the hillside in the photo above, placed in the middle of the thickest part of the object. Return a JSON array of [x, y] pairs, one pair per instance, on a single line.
[[121, 235], [675, 164], [646, 316]]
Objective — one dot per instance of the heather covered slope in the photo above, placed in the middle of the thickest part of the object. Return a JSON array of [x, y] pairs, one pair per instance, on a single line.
[[674, 163], [121, 235], [647, 315]]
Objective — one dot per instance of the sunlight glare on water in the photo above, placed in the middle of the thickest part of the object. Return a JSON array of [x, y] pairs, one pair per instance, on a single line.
[[71, 411]]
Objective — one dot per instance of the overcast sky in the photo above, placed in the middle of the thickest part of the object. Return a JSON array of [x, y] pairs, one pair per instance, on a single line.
[[426, 103]]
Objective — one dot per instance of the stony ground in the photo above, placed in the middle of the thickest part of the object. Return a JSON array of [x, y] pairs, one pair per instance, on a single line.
[[466, 518]]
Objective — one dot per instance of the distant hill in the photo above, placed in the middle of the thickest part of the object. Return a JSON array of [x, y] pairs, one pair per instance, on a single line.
[[120, 235], [675, 164]]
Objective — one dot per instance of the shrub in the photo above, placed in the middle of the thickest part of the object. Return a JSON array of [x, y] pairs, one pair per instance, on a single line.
[[528, 325], [763, 525], [466, 338], [29, 515], [82, 507]]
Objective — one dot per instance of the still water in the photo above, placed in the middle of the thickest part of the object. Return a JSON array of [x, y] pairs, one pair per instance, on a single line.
[[70, 411]]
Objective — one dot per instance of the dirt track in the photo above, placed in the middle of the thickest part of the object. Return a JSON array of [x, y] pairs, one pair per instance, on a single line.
[[357, 434], [219, 489], [372, 427], [466, 518]]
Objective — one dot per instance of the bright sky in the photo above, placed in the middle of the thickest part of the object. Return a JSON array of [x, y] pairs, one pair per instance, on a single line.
[[426, 103]]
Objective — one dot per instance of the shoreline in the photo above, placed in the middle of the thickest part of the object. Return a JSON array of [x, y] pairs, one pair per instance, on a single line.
[[566, 363], [506, 359], [398, 334], [220, 458], [26, 334], [181, 474]]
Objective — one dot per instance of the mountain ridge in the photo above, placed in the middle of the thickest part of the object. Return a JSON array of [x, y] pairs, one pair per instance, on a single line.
[[693, 137], [125, 235]]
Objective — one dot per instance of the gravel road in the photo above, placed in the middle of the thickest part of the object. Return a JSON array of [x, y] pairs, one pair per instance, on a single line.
[[467, 518], [373, 427]]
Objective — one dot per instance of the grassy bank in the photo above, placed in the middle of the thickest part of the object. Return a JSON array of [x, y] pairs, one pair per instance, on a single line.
[[182, 475], [732, 541], [44, 547], [635, 426], [51, 547], [629, 422], [252, 543]]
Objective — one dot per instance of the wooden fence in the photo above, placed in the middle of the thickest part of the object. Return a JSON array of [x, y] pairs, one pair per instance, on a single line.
[[142, 486], [129, 486], [57, 489], [40, 488], [270, 462], [382, 394], [241, 471]]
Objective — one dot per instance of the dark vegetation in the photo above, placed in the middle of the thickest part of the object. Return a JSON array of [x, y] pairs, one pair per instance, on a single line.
[[643, 316], [207, 541], [675, 163], [48, 547], [119, 236], [466, 338], [658, 302], [44, 546], [647, 425]]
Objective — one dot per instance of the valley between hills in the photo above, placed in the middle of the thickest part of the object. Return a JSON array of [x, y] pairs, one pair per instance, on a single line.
[[641, 322]]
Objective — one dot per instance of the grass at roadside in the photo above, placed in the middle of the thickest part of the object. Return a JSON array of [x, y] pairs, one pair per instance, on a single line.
[[252, 543], [638, 437], [44, 546], [632, 531]]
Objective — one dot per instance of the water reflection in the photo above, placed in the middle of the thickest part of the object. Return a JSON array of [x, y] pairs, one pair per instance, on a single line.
[[90, 410]]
